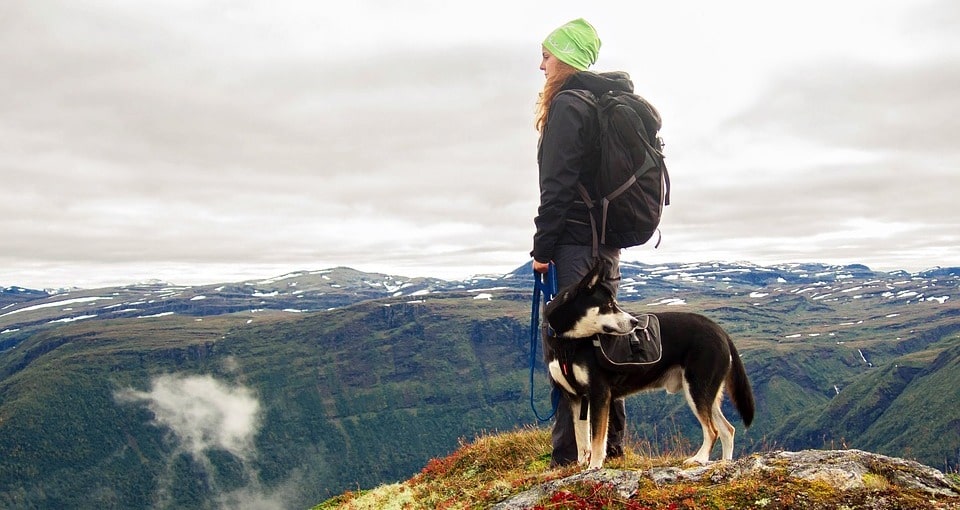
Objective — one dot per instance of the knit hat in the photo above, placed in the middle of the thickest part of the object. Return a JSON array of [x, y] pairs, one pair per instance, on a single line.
[[575, 43]]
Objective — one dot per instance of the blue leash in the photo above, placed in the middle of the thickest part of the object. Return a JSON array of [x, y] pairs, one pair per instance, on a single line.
[[545, 285]]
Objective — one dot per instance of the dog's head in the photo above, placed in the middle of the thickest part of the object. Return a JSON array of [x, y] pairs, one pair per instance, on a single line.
[[588, 308]]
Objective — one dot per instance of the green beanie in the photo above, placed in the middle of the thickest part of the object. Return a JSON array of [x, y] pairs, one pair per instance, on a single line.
[[575, 43]]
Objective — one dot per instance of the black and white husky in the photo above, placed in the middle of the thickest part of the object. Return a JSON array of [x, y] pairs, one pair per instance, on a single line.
[[698, 358]]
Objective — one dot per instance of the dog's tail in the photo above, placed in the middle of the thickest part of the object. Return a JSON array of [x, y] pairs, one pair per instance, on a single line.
[[738, 386]]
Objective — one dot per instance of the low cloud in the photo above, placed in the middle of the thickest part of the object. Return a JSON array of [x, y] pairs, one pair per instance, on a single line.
[[203, 415]]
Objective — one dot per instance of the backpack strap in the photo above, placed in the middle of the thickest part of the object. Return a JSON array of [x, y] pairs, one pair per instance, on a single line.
[[593, 222], [591, 99]]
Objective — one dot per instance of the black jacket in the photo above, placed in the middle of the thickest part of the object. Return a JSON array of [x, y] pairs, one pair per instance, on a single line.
[[568, 154]]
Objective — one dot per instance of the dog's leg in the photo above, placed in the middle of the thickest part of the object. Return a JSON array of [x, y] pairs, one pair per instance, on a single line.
[[705, 416], [599, 426], [581, 429], [725, 429]]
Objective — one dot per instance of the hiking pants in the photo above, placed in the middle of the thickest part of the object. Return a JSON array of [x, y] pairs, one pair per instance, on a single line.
[[573, 262]]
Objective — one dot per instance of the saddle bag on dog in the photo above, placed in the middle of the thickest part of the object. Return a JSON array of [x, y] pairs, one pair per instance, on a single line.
[[627, 352]]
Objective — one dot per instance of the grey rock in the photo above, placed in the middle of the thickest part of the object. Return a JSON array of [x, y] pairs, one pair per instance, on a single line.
[[844, 469], [626, 483]]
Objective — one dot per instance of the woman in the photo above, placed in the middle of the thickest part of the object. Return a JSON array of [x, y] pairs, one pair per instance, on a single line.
[[568, 154]]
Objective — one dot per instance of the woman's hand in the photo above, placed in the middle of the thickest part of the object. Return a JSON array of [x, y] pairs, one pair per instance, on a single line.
[[540, 267]]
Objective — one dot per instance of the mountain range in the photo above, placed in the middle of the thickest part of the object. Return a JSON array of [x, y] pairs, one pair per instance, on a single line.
[[286, 390]]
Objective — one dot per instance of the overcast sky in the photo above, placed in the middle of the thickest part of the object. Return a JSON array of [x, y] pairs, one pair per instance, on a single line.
[[200, 141]]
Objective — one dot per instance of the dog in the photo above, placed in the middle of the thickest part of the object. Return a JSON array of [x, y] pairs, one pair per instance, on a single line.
[[698, 357]]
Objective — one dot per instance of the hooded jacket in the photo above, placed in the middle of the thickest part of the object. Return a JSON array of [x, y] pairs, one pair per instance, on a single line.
[[569, 153]]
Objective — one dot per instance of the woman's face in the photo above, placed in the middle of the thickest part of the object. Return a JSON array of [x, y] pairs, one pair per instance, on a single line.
[[549, 63]]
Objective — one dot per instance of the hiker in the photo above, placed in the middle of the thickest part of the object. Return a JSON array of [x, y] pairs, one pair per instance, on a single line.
[[568, 154]]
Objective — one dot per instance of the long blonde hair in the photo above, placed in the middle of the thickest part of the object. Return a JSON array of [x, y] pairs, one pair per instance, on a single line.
[[550, 89]]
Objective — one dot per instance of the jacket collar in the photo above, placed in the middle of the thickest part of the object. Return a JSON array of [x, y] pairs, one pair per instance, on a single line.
[[599, 83]]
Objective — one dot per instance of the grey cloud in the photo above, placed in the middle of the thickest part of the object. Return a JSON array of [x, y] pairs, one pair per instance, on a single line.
[[881, 144], [163, 158], [935, 23], [206, 133], [863, 106], [854, 213]]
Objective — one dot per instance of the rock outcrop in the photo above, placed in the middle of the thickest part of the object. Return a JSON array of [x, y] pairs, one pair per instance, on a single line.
[[843, 469]]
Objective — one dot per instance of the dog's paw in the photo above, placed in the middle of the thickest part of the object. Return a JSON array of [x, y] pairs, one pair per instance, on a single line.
[[695, 461], [584, 458]]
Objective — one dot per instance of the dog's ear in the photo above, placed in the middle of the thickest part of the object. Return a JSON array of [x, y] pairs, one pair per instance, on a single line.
[[595, 275]]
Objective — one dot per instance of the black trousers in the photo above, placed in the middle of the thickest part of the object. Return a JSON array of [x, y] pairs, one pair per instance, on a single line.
[[564, 440], [573, 262]]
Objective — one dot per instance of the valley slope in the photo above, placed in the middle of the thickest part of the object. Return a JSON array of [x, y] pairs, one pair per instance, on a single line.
[[294, 388]]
